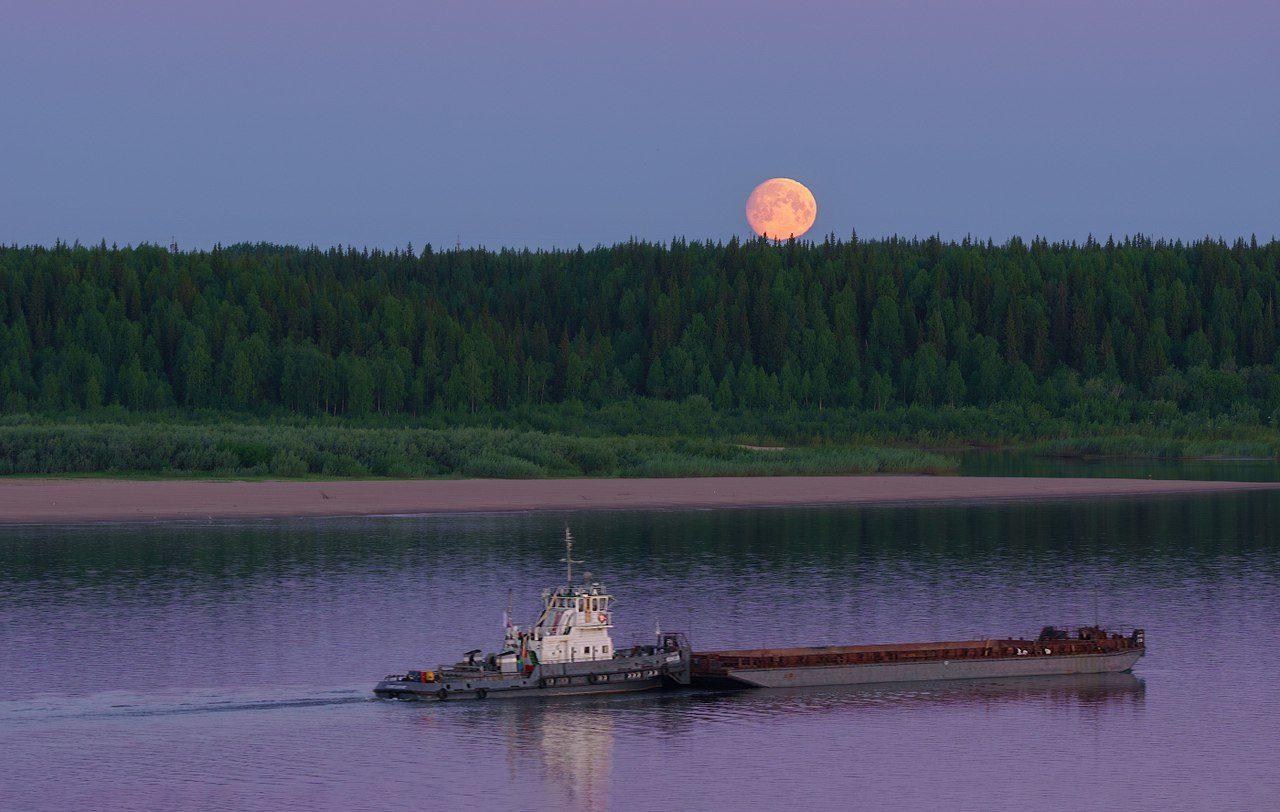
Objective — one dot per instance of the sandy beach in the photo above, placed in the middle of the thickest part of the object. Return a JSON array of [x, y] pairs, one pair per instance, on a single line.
[[107, 500]]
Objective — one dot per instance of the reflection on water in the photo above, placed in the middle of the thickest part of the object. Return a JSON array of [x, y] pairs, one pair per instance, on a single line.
[[228, 666], [577, 751], [1079, 691], [574, 740], [1021, 463], [574, 745]]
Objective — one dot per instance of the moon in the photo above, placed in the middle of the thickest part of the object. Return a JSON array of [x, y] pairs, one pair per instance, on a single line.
[[781, 208]]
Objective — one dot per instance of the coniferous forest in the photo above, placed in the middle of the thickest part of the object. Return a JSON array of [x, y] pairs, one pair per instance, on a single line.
[[923, 343]]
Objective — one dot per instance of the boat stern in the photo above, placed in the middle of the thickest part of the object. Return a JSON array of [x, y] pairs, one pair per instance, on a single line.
[[413, 685]]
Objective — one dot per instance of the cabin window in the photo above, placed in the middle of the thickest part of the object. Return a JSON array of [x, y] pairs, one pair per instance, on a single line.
[[604, 649]]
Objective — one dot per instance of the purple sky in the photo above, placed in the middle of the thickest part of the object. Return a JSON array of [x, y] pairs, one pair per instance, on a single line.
[[543, 123]]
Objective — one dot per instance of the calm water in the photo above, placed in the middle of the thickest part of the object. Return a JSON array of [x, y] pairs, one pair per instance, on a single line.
[[1019, 463], [216, 667]]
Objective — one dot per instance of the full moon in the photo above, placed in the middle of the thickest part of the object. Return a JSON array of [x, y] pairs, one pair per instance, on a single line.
[[781, 208]]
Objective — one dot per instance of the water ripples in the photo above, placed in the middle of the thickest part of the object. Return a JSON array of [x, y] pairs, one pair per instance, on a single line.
[[229, 666]]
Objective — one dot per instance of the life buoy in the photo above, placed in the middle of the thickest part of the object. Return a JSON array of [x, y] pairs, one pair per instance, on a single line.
[[603, 617]]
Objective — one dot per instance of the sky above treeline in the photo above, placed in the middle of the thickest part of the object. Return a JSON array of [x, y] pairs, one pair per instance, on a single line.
[[545, 124]]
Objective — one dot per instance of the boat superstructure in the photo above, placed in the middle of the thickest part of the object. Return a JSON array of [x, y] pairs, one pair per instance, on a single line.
[[568, 649]]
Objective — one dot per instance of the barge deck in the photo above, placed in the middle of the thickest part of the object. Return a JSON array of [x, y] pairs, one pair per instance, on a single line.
[[1088, 650]]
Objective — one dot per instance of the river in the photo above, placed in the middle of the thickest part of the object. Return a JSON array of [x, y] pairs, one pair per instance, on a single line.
[[228, 666]]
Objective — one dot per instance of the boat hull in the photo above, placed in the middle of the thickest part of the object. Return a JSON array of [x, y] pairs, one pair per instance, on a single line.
[[417, 692], [623, 674], [869, 673]]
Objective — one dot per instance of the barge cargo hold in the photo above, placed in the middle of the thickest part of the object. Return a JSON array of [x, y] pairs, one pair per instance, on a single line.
[[1088, 650]]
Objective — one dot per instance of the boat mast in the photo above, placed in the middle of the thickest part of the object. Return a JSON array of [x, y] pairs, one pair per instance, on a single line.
[[568, 556]]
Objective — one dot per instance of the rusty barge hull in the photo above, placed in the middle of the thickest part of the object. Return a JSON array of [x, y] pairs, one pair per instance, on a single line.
[[860, 665]]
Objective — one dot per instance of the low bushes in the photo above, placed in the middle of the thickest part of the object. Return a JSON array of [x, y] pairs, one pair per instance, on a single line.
[[289, 451]]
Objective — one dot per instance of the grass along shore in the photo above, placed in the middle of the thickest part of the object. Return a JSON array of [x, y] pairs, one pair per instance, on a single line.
[[628, 439], [336, 451]]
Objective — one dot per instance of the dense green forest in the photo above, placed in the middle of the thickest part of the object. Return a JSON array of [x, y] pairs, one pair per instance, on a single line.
[[829, 341]]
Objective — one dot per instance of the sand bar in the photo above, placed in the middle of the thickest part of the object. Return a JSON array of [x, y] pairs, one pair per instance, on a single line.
[[98, 500]]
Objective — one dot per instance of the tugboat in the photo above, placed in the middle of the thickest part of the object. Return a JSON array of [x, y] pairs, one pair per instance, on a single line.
[[567, 651]]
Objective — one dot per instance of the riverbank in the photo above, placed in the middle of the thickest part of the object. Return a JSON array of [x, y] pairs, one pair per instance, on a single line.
[[53, 501]]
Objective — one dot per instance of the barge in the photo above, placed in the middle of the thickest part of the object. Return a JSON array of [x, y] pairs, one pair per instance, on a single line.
[[1055, 651], [569, 650]]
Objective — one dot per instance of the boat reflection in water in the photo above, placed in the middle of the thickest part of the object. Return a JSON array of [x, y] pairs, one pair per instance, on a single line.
[[577, 753], [571, 744], [1084, 691]]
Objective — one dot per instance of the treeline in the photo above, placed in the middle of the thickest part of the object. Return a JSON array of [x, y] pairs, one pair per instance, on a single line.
[[1092, 332]]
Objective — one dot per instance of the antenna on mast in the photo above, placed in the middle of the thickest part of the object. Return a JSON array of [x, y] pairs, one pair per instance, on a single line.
[[568, 556]]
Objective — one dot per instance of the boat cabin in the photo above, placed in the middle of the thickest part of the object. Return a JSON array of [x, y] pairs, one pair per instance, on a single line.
[[574, 623], [573, 626]]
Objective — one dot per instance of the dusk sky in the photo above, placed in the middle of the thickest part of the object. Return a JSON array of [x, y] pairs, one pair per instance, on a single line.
[[540, 124]]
